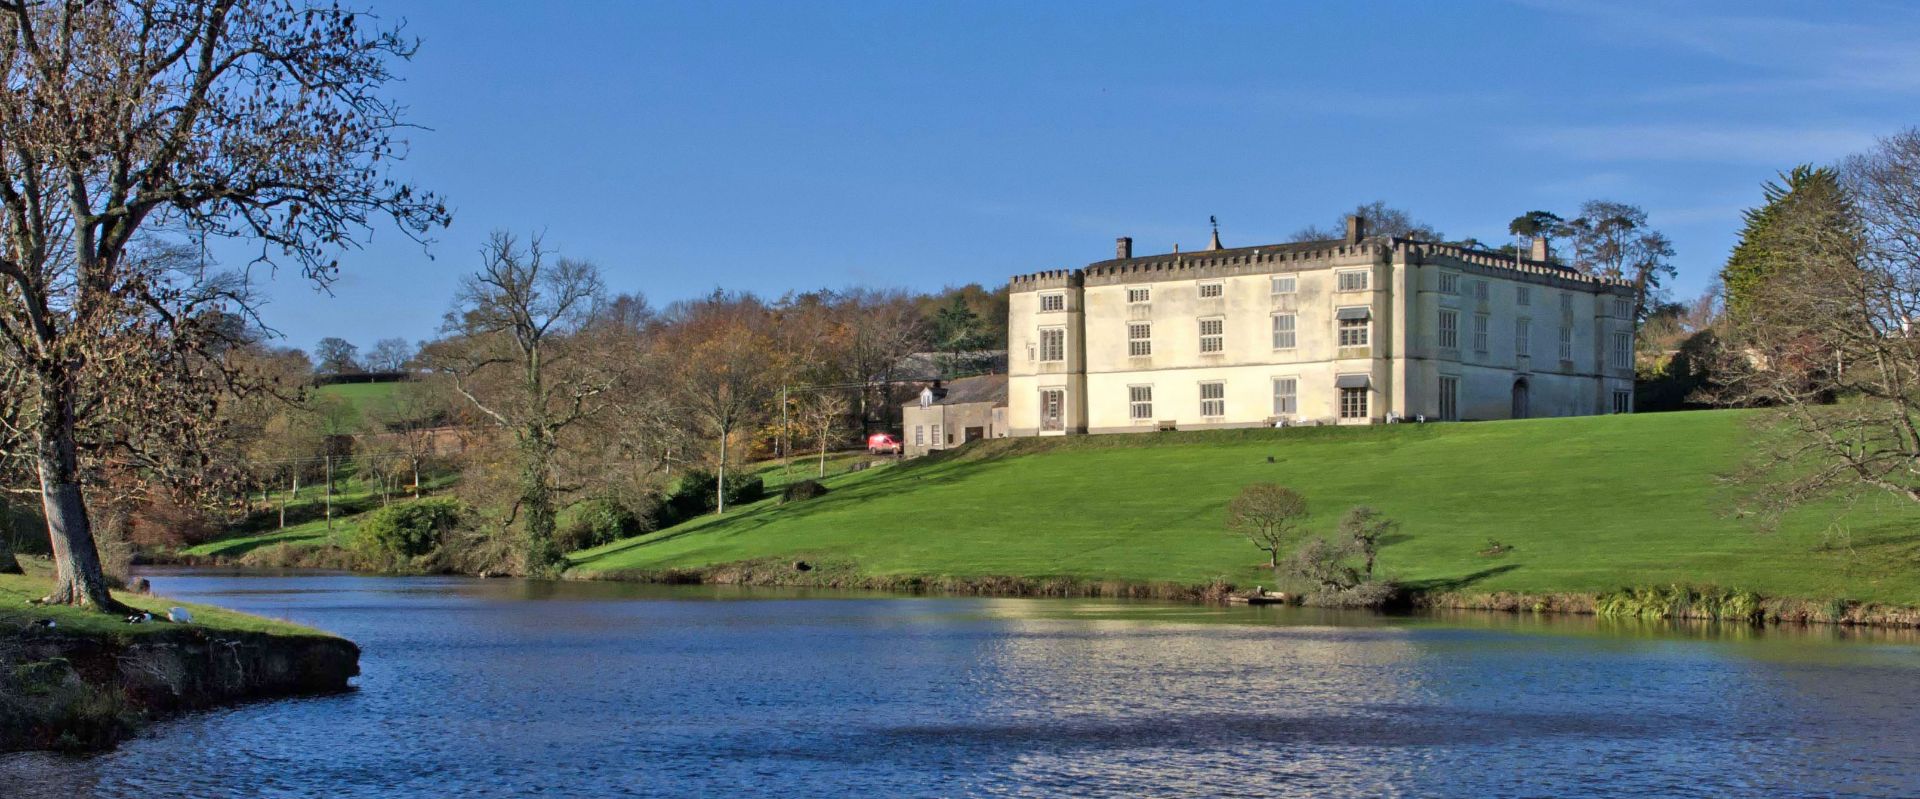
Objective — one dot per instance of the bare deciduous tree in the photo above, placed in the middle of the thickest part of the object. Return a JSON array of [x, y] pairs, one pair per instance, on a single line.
[[821, 415], [514, 357], [389, 355], [257, 120], [1271, 516]]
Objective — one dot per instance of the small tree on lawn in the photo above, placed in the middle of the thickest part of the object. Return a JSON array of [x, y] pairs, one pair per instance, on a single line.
[[1361, 529], [822, 416], [1271, 516]]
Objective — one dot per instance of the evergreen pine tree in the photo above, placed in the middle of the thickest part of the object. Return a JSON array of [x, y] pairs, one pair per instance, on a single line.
[[1759, 255]]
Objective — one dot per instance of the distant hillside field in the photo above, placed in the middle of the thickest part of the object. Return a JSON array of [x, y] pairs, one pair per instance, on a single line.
[[361, 396], [1585, 504]]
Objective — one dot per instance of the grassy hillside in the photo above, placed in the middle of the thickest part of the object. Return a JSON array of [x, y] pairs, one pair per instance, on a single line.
[[16, 613], [1586, 504], [361, 396]]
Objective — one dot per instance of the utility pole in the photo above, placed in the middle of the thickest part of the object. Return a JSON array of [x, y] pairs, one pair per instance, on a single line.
[[329, 492]]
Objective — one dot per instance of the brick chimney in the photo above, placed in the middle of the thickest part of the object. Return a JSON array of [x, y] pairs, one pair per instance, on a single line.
[[1539, 252], [1356, 228], [1123, 247]]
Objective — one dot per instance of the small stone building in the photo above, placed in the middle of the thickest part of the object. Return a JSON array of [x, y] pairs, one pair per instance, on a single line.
[[946, 415]]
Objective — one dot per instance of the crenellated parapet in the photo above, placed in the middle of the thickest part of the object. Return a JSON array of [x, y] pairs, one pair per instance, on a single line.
[[1052, 279]]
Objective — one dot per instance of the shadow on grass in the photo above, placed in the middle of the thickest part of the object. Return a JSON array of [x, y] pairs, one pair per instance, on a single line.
[[241, 547], [918, 472], [1445, 584]]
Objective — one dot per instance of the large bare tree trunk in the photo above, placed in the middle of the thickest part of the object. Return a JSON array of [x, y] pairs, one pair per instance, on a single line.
[[78, 578], [8, 563]]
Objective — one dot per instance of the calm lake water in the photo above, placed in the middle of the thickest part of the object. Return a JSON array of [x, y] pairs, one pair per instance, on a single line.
[[479, 688]]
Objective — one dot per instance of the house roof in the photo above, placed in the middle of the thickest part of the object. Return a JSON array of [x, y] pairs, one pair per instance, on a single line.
[[969, 390]]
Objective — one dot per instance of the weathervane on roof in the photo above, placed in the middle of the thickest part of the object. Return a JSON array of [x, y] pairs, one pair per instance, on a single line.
[[1215, 222]]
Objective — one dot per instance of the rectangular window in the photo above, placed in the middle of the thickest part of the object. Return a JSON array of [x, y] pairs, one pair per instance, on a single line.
[[1353, 332], [1622, 402], [936, 437], [1622, 307], [1283, 338], [1566, 305], [1353, 403], [1354, 280], [1137, 296], [1286, 396], [1211, 289], [1213, 399], [919, 435], [1566, 342], [1622, 350], [1053, 408], [1522, 295], [1213, 335], [1480, 290], [1139, 338], [1053, 344], [1480, 332], [1449, 283], [1053, 302], [1140, 402], [1449, 398], [1449, 329], [1523, 337], [1285, 284]]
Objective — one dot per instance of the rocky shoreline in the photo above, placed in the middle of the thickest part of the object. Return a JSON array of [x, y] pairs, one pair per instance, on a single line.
[[79, 691]]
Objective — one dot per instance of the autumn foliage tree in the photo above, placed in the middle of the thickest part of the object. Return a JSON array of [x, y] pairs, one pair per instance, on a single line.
[[124, 121], [724, 370]]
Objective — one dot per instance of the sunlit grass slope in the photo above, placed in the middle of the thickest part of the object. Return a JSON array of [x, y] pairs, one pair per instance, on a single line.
[[1586, 504], [16, 613]]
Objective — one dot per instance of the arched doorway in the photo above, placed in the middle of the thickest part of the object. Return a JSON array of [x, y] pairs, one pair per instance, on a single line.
[[1520, 398]]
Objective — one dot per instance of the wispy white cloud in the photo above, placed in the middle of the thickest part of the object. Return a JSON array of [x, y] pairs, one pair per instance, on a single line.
[[1878, 53], [1708, 143]]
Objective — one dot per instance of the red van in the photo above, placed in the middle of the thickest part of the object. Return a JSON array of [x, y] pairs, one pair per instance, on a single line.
[[882, 444]]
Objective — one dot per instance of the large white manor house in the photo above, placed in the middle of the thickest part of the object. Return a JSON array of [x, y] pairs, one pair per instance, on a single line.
[[1354, 331]]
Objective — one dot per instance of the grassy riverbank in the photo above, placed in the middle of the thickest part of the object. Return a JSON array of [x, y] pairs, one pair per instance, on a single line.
[[1577, 506], [90, 678]]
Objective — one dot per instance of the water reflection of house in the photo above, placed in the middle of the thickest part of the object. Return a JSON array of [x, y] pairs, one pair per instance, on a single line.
[[955, 412]]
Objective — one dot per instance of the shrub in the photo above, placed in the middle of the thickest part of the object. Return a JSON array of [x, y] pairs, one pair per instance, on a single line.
[[1368, 595], [803, 490], [410, 529], [597, 521], [694, 496], [1680, 602]]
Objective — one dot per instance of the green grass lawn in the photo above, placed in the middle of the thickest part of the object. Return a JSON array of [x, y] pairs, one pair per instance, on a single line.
[[1587, 504], [313, 533], [360, 395], [16, 589]]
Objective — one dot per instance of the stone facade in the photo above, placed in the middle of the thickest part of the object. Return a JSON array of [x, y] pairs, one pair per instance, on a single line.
[[1353, 331], [948, 415]]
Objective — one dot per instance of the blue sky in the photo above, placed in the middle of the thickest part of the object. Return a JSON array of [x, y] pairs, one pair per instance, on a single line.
[[777, 146]]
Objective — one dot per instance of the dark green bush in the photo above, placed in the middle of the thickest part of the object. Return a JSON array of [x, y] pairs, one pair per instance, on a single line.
[[803, 490], [597, 521], [410, 529], [694, 496]]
